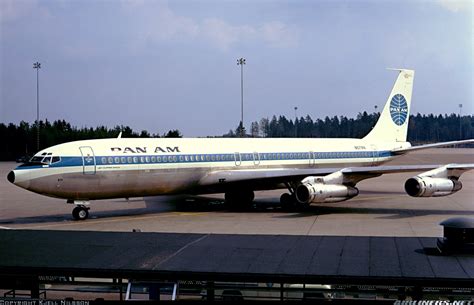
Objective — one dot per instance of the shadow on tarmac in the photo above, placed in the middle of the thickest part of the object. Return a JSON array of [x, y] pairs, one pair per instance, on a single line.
[[188, 203]]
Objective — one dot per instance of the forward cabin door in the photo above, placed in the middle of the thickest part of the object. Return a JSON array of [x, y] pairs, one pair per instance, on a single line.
[[88, 160]]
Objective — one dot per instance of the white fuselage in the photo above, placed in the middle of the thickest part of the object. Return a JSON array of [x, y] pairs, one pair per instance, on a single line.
[[114, 168]]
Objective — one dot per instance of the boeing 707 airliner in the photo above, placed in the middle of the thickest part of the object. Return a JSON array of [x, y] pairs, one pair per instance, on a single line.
[[313, 170]]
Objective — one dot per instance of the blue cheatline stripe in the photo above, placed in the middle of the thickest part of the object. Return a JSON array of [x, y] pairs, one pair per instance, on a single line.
[[206, 158]]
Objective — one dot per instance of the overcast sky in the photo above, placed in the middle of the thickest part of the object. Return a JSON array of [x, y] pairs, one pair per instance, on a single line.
[[160, 65]]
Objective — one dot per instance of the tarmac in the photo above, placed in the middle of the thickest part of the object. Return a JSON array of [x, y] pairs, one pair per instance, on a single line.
[[381, 209]]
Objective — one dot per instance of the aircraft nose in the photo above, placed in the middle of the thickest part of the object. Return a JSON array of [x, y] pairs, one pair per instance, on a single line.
[[11, 177]]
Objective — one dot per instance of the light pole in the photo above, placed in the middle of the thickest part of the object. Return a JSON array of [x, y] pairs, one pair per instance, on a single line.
[[460, 121], [296, 127], [37, 66], [241, 62]]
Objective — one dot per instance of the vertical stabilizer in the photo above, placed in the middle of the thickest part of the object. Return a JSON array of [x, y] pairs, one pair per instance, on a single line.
[[393, 122]]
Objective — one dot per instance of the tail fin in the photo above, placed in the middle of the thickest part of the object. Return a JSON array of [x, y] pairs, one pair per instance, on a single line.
[[393, 122]]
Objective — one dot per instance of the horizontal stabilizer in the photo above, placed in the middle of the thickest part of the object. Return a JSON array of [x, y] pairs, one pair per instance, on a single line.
[[441, 144]]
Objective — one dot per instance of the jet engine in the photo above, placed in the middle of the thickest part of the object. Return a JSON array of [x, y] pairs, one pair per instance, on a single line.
[[420, 186], [318, 192]]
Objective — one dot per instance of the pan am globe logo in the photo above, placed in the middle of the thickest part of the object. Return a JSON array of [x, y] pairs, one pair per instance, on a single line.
[[398, 109]]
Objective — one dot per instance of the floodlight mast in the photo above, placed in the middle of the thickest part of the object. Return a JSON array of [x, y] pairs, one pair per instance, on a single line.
[[37, 66], [296, 126], [241, 62]]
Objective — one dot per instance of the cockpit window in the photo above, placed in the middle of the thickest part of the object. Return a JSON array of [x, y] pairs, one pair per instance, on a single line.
[[44, 158], [37, 159]]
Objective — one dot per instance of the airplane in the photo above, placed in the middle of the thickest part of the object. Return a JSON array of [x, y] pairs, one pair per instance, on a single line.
[[313, 170]]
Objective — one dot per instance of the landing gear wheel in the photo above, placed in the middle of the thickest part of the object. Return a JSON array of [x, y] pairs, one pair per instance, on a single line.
[[80, 213], [288, 201], [239, 199]]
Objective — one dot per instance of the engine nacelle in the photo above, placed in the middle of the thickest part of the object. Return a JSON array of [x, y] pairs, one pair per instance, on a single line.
[[431, 187], [319, 192]]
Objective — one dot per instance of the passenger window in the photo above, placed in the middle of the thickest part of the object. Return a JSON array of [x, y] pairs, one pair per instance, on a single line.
[[181, 158], [186, 158], [111, 160], [129, 160], [147, 159], [135, 159], [213, 158], [208, 158], [175, 158], [123, 160], [104, 160], [153, 159], [191, 158], [158, 159]]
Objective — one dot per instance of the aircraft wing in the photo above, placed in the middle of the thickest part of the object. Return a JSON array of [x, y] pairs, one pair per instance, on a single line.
[[352, 175], [401, 151]]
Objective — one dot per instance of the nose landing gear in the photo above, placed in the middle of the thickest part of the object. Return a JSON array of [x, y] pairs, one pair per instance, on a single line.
[[81, 211]]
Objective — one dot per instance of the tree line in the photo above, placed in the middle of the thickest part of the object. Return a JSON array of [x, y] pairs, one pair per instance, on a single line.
[[19, 140], [422, 128]]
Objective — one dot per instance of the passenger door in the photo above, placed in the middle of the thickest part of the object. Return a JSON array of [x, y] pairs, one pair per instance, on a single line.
[[373, 149], [256, 158], [237, 159], [312, 158], [88, 160]]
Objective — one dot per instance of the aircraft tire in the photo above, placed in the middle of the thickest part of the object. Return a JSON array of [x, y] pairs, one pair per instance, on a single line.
[[80, 213], [239, 199], [288, 201]]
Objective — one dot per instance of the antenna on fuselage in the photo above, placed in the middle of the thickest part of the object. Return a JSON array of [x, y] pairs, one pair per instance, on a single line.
[[120, 135]]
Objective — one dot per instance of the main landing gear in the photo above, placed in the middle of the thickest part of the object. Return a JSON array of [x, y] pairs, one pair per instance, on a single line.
[[289, 202], [239, 199], [81, 211]]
